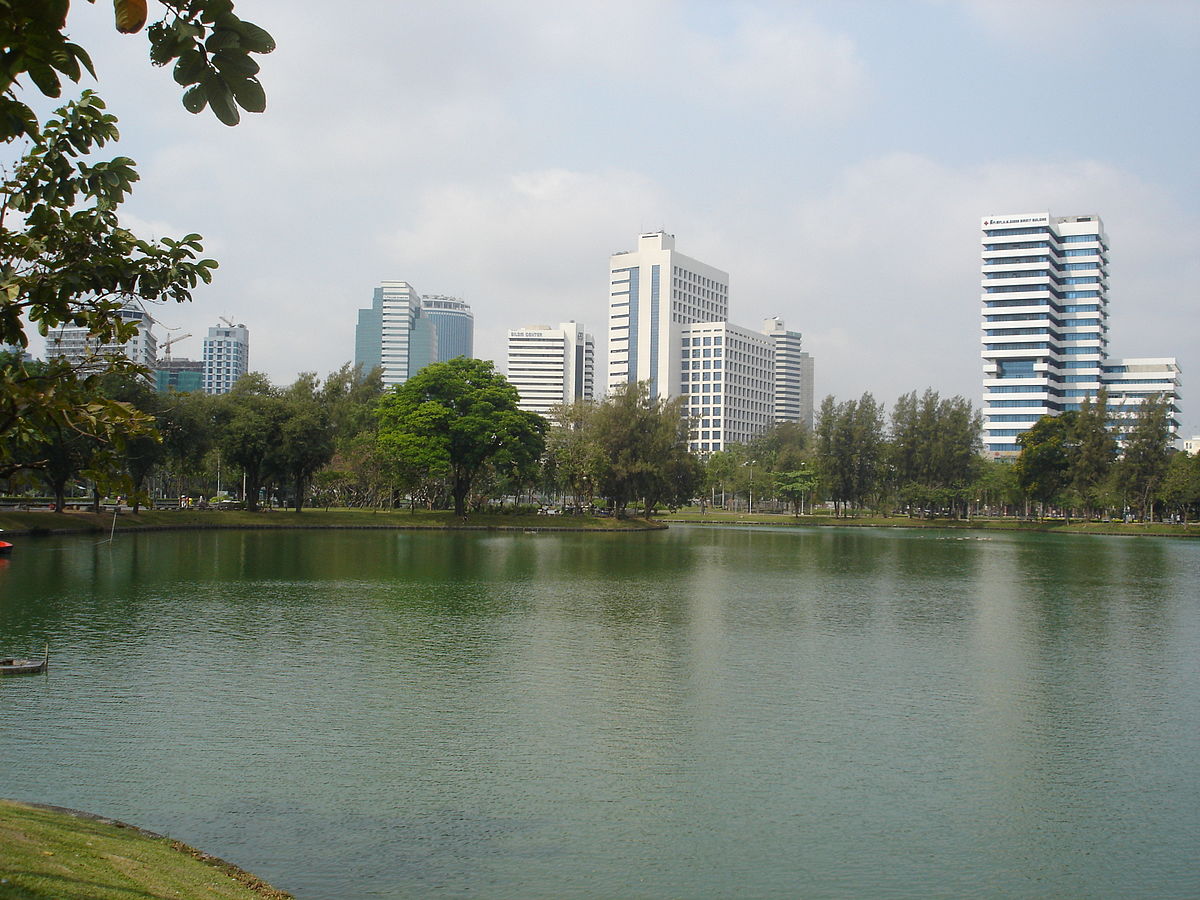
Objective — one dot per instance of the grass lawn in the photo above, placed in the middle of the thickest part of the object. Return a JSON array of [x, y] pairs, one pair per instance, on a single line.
[[48, 854], [45, 522]]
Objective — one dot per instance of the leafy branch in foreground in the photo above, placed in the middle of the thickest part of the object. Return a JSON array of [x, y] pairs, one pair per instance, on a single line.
[[210, 45]]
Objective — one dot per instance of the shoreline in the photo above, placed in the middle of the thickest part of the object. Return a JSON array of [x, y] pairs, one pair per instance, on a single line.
[[1012, 525], [15, 523], [46, 524], [76, 820]]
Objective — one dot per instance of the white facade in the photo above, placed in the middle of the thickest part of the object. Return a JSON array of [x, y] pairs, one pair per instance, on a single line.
[[78, 347], [1045, 319], [1130, 382], [793, 374], [226, 357], [1191, 446], [654, 292], [727, 374], [407, 341], [549, 366]]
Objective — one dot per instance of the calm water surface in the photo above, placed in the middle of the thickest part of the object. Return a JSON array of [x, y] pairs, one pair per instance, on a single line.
[[693, 713]]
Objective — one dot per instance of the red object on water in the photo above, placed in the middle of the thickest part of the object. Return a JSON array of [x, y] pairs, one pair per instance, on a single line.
[[5, 547]]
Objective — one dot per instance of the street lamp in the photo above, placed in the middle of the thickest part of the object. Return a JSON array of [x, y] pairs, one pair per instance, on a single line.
[[750, 463]]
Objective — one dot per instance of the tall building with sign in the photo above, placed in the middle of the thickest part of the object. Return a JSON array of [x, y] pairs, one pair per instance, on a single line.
[[549, 366], [393, 334], [654, 292], [1045, 325]]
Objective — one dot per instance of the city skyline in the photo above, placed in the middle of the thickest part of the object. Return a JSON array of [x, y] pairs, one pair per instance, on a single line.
[[832, 158]]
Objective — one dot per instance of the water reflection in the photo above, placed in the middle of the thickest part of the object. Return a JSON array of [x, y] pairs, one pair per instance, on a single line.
[[695, 712]]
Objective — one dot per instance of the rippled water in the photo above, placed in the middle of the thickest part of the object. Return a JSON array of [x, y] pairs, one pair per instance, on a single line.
[[693, 713]]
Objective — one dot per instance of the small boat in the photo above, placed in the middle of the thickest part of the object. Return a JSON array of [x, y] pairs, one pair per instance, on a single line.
[[5, 548], [13, 666]]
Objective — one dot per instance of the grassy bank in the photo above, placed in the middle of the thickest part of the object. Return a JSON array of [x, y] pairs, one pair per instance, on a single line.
[[44, 522], [718, 517], [47, 853]]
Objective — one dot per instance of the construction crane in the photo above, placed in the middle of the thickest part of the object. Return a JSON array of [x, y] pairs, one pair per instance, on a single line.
[[166, 345], [228, 322]]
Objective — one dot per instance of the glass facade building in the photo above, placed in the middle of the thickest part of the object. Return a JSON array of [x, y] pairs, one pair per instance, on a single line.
[[454, 322]]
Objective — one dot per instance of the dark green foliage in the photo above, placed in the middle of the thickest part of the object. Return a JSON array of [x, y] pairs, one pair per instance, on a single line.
[[1044, 467], [210, 45], [250, 420], [1143, 464], [643, 443], [849, 449], [1094, 451], [1180, 488], [934, 456], [454, 418]]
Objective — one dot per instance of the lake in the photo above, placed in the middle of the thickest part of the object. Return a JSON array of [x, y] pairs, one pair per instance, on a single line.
[[699, 712]]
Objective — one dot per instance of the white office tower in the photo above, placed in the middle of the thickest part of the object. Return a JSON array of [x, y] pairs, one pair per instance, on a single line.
[[1131, 382], [793, 374], [393, 334], [654, 293], [75, 344], [226, 356], [549, 366], [1045, 320], [728, 378]]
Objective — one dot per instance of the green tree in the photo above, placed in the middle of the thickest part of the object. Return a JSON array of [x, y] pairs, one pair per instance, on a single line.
[[645, 443], [305, 436], [574, 458], [1095, 450], [64, 257], [797, 486], [186, 423], [456, 417], [1180, 488], [1043, 468], [250, 422], [934, 450], [142, 451], [849, 450], [1143, 463]]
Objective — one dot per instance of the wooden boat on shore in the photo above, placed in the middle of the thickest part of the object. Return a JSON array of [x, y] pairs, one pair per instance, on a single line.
[[13, 666]]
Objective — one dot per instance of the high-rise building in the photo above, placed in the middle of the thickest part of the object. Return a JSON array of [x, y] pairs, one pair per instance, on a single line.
[[1045, 330], [654, 291], [75, 343], [549, 366], [1131, 382], [393, 334], [728, 377], [226, 356], [455, 325], [793, 374], [1045, 319]]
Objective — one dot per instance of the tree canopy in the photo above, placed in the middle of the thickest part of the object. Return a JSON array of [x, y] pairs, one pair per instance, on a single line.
[[454, 418]]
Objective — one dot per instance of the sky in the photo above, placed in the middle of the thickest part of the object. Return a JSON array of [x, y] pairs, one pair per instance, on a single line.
[[834, 158]]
